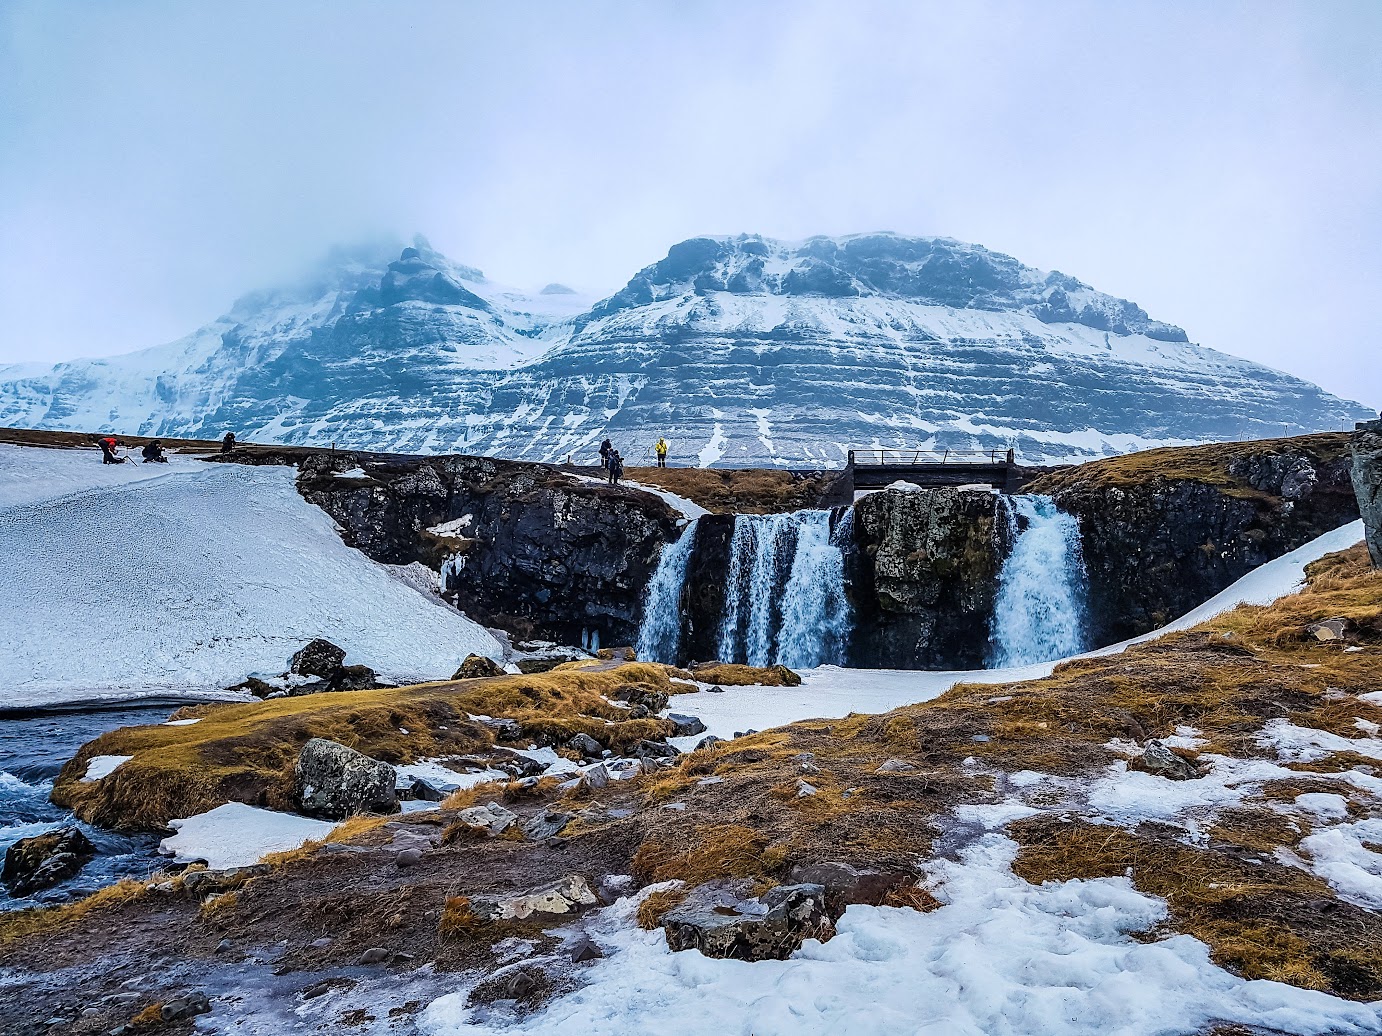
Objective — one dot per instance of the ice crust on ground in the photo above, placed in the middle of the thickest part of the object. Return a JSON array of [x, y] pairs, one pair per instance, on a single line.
[[122, 583], [237, 835], [999, 956]]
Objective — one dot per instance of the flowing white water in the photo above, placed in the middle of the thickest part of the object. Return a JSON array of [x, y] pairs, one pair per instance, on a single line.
[[784, 590], [1040, 611], [659, 636]]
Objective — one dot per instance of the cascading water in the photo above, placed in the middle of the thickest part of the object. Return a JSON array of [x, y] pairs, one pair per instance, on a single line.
[[784, 590], [659, 636], [1039, 614]]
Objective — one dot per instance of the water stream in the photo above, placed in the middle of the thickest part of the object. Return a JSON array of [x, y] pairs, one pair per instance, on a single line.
[[1040, 612], [659, 637]]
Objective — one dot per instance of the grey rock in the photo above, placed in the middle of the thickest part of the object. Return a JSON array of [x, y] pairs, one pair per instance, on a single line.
[[585, 948], [565, 896], [41, 861], [745, 733], [707, 741], [717, 689], [653, 750], [374, 955], [477, 667], [224, 945], [545, 824], [1328, 630], [322, 943], [493, 817], [318, 658], [1366, 447], [719, 922], [504, 729], [685, 726], [187, 1006], [424, 790], [635, 694], [846, 885], [353, 678], [408, 858], [1158, 759], [805, 790], [523, 983], [896, 765], [331, 780], [586, 745], [597, 776]]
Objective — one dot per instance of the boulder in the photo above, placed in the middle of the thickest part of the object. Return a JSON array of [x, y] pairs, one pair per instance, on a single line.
[[564, 896], [184, 1007], [684, 726], [649, 697], [707, 741], [36, 863], [504, 729], [1329, 630], [319, 658], [596, 777], [1366, 448], [353, 678], [846, 885], [896, 765], [586, 745], [585, 948], [718, 922], [653, 750], [493, 817], [476, 667], [333, 781], [1157, 759], [545, 824]]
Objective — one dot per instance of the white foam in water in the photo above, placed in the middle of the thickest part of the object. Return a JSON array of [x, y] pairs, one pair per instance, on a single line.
[[659, 636], [1040, 611], [815, 612]]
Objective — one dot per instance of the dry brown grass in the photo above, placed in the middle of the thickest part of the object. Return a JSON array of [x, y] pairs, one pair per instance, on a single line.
[[19, 924], [1207, 464], [705, 853], [734, 675], [739, 490], [656, 905], [457, 919], [246, 752]]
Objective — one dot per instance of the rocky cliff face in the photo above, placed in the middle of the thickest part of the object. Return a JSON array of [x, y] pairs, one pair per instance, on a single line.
[[521, 547], [925, 578], [1366, 449], [1165, 530]]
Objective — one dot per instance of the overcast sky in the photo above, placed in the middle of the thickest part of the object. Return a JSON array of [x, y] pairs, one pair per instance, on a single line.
[[1218, 163]]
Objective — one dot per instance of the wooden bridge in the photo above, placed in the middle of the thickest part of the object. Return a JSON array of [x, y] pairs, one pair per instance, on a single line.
[[874, 469]]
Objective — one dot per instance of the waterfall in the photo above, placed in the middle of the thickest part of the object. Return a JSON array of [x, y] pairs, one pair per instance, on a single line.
[[659, 636], [1039, 614], [784, 590]]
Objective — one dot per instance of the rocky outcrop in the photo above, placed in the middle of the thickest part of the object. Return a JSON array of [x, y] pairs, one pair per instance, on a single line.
[[333, 781], [34, 864], [477, 667], [720, 922], [522, 547], [925, 577], [1366, 449], [1165, 530]]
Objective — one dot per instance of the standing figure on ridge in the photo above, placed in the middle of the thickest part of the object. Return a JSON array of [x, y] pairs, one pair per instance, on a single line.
[[228, 443], [108, 447], [660, 448], [606, 452], [616, 467]]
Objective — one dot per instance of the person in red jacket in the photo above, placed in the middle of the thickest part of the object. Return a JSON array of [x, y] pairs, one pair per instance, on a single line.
[[108, 447]]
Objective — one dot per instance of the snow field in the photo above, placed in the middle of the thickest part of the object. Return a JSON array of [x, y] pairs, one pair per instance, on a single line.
[[122, 583]]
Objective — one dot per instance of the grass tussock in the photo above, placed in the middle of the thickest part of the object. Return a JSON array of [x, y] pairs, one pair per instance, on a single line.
[[458, 920], [246, 752], [706, 853], [656, 905], [730, 674]]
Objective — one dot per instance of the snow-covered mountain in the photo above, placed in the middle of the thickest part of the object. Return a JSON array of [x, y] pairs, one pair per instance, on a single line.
[[740, 350]]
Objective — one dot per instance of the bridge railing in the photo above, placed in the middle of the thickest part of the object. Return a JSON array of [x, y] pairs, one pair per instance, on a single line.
[[916, 458]]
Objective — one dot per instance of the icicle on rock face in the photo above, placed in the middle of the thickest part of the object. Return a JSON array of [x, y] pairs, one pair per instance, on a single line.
[[659, 636], [784, 591], [1040, 611]]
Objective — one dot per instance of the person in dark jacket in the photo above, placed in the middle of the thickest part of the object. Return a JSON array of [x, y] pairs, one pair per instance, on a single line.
[[108, 447], [606, 452], [153, 453], [616, 468], [228, 443]]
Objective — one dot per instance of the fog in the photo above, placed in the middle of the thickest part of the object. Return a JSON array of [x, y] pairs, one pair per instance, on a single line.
[[1220, 164]]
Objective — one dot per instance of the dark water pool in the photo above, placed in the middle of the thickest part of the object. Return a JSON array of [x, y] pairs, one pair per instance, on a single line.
[[32, 751]]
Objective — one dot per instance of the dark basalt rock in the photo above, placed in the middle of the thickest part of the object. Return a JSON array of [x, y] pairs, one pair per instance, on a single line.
[[37, 863], [333, 781], [1160, 545], [319, 658], [1366, 471], [476, 667], [542, 555], [720, 922]]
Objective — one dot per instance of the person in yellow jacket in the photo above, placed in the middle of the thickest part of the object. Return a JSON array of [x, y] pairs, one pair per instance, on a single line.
[[660, 448]]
